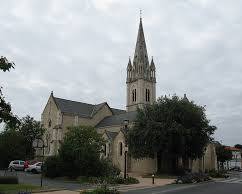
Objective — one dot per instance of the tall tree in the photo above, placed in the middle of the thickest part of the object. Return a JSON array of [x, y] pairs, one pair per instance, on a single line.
[[30, 129], [12, 147], [174, 127], [6, 114]]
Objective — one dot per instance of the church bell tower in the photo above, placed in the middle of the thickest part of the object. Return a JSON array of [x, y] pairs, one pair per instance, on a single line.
[[141, 78]]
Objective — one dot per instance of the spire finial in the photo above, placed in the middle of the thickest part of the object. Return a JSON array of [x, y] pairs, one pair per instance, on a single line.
[[140, 14]]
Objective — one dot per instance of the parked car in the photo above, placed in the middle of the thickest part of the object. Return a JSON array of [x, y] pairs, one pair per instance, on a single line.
[[34, 168], [16, 165], [29, 162]]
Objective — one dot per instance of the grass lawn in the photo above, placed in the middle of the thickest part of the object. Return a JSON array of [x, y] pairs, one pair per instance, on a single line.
[[15, 188]]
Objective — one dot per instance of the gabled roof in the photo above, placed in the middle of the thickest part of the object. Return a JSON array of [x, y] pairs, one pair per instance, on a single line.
[[117, 119], [81, 109], [111, 135]]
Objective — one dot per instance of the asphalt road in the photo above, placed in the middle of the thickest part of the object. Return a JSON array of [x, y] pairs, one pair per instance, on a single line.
[[232, 185]]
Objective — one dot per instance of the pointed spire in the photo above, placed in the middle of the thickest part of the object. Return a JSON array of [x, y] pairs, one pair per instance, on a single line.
[[185, 97], [152, 64], [129, 67], [141, 55]]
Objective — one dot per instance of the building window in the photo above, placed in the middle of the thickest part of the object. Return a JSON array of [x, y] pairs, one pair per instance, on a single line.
[[147, 95], [105, 150], [49, 124], [121, 148], [134, 95]]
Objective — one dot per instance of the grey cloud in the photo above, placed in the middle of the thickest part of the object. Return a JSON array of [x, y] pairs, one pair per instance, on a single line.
[[80, 50]]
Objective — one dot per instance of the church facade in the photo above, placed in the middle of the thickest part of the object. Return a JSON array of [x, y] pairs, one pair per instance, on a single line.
[[112, 123]]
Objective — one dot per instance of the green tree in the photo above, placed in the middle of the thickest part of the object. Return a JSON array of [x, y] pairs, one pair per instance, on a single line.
[[223, 154], [30, 129], [6, 114], [12, 147], [80, 151], [239, 146], [172, 127]]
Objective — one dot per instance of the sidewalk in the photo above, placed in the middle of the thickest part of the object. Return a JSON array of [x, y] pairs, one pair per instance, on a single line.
[[143, 184], [60, 192]]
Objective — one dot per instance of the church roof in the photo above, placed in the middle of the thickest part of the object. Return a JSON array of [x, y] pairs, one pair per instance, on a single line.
[[117, 119], [80, 108]]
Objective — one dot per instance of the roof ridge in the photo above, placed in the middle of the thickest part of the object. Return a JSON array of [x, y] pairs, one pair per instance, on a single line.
[[74, 101]]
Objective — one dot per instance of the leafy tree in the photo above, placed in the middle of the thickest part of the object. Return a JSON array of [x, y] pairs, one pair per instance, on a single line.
[[174, 127], [239, 146], [223, 154], [80, 151], [12, 147], [6, 115], [29, 129]]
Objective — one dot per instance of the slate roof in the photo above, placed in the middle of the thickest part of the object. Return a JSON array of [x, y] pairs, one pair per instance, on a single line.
[[117, 119], [80, 108]]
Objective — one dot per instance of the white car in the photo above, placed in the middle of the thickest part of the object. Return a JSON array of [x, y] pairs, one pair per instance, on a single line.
[[16, 165], [34, 168]]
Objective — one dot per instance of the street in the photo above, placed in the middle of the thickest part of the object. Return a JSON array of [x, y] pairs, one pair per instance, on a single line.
[[231, 185]]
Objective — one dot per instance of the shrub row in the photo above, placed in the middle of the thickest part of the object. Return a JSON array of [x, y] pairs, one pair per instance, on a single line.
[[8, 180], [109, 180], [56, 167], [218, 174], [102, 190], [192, 178]]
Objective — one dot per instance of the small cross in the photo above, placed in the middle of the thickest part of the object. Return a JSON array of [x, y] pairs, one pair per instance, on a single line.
[[140, 13]]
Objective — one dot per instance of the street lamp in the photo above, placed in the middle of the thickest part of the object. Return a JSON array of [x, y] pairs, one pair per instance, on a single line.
[[39, 144], [126, 122]]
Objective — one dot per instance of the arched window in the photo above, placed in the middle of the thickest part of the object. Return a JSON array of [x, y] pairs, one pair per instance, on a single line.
[[121, 148], [105, 150], [134, 95]]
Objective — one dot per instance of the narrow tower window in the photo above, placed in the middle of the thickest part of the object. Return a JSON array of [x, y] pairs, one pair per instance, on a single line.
[[121, 148], [135, 95], [147, 95]]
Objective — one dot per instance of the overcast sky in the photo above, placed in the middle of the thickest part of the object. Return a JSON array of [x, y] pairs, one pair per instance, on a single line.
[[80, 49]]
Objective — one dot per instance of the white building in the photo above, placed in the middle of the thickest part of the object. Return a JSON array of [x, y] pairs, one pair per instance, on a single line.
[[236, 158]]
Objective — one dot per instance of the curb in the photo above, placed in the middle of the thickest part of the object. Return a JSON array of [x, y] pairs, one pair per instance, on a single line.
[[48, 190]]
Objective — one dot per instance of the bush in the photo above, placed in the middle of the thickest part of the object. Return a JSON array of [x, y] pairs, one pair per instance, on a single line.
[[218, 174], [8, 180], [192, 178], [121, 180], [106, 169], [52, 167], [102, 190]]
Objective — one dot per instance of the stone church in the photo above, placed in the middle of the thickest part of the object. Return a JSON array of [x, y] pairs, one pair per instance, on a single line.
[[60, 113]]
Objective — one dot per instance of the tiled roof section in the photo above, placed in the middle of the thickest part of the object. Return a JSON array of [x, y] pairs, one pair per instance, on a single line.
[[111, 135], [79, 108], [232, 148], [73, 107], [117, 119], [118, 111], [96, 108]]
